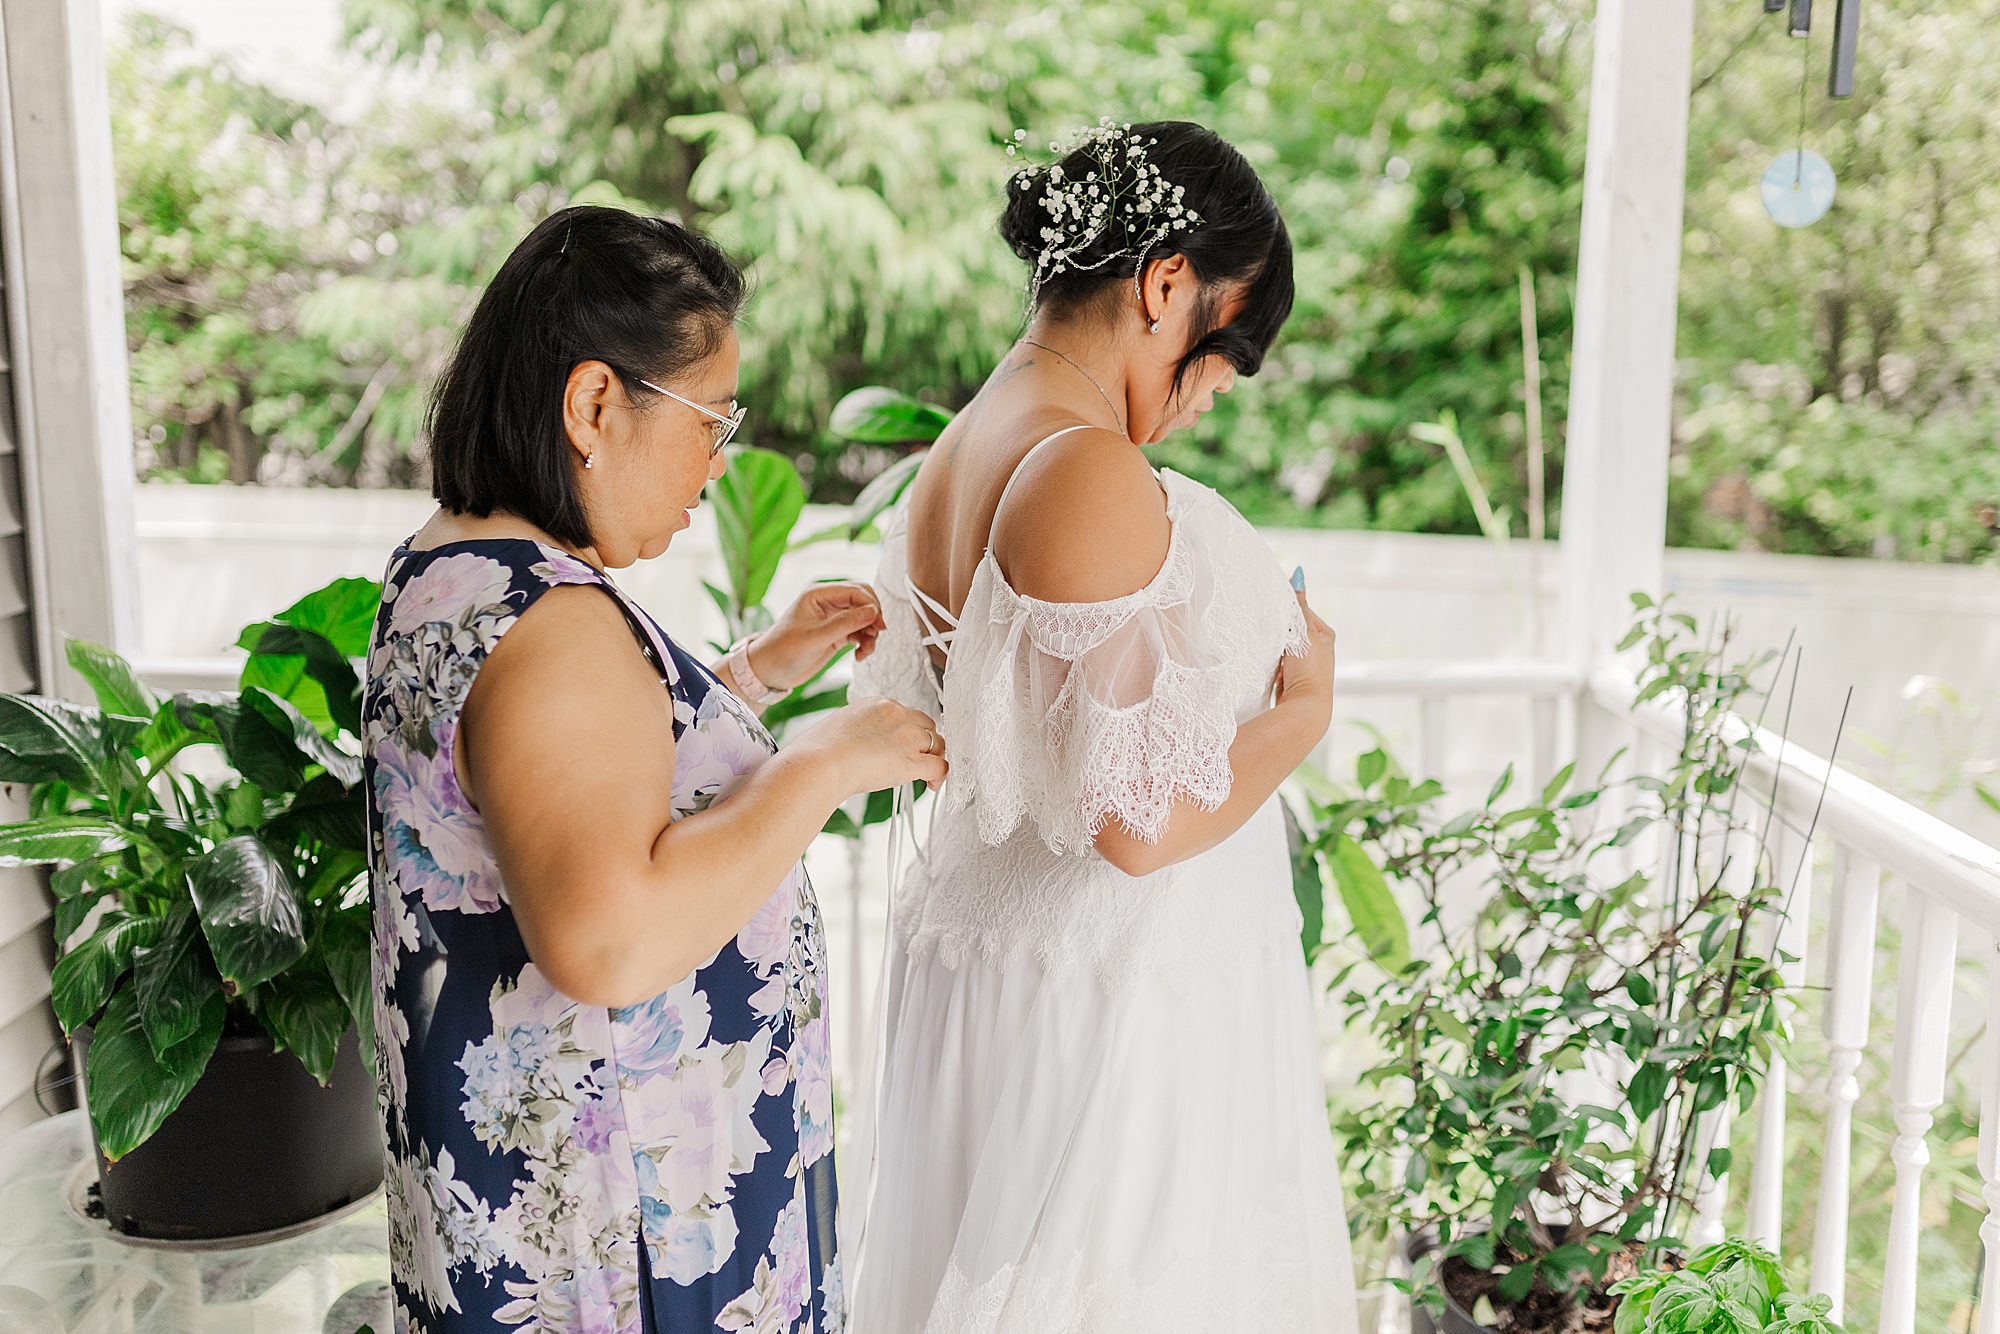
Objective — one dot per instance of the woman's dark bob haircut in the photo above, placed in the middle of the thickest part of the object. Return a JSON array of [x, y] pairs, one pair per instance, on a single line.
[[645, 296], [1241, 243]]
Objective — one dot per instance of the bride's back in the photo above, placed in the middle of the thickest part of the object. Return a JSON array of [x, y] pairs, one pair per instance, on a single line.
[[957, 491], [1084, 521]]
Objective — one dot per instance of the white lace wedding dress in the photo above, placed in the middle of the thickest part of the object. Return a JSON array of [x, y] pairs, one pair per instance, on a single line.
[[1098, 1102]]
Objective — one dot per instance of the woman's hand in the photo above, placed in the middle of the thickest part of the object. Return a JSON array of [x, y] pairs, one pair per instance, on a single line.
[[617, 897], [1306, 682], [814, 628], [875, 743]]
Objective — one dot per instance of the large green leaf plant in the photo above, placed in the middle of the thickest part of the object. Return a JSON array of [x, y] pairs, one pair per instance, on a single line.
[[1564, 1016], [186, 908]]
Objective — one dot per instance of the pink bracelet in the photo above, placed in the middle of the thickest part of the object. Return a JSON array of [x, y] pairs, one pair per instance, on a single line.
[[744, 677]]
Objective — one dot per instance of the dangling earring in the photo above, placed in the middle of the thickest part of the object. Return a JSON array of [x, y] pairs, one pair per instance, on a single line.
[[590, 459], [1154, 327]]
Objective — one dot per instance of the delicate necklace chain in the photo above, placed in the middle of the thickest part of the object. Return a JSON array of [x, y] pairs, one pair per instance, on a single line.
[[1115, 414]]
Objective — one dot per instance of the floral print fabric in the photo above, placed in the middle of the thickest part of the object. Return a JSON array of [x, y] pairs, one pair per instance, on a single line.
[[558, 1167]]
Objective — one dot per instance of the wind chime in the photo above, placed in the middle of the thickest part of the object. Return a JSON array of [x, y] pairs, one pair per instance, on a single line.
[[1797, 187]]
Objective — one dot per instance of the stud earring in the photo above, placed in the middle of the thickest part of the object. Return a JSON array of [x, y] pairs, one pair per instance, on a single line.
[[590, 460], [1154, 327]]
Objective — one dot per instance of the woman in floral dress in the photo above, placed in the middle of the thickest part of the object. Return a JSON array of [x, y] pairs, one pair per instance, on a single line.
[[599, 974]]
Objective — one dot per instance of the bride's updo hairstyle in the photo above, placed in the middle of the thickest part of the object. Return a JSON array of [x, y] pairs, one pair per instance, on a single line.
[[645, 296], [1240, 240]]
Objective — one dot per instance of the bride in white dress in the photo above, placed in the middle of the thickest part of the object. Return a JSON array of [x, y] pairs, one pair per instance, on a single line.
[[1098, 1104]]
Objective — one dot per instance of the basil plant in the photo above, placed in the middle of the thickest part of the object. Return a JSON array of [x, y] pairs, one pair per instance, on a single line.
[[211, 907], [1732, 1287]]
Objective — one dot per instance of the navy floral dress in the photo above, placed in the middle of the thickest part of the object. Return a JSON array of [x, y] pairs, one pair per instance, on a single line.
[[562, 1167]]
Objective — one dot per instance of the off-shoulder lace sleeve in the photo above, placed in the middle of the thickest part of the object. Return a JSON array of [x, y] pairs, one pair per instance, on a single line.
[[900, 666], [1075, 715]]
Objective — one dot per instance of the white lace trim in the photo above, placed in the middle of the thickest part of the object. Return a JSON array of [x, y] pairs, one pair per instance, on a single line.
[[1074, 715]]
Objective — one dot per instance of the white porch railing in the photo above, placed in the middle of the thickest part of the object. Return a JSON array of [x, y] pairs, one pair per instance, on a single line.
[[1950, 878], [1546, 685]]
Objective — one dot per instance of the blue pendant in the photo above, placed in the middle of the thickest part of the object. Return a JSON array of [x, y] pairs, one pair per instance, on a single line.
[[1797, 188]]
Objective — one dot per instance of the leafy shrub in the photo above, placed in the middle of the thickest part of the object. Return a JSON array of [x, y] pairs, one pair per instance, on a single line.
[[1655, 982]]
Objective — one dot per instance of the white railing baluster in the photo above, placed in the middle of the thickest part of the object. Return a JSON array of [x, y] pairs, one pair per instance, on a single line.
[[1850, 984], [1654, 847], [1792, 872], [1542, 725], [1923, 1017], [1989, 1152], [1431, 714], [1711, 1133]]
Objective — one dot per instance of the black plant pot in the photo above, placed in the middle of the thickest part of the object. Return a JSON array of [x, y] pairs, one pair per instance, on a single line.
[[1456, 1319], [258, 1145]]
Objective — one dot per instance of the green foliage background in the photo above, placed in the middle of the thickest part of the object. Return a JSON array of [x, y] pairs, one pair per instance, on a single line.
[[295, 278]]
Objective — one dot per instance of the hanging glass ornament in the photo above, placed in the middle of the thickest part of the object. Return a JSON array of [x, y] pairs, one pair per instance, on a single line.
[[1797, 188]]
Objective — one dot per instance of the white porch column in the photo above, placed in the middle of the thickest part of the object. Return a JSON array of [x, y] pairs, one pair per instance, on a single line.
[[68, 553], [1614, 505], [66, 315]]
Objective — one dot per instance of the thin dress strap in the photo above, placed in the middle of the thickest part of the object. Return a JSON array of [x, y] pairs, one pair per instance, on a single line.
[[939, 625], [1015, 476]]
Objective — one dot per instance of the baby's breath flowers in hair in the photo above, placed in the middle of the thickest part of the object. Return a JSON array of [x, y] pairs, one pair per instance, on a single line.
[[1121, 200]]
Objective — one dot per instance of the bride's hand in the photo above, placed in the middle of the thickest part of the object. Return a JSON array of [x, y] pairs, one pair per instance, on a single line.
[[1307, 681], [813, 629]]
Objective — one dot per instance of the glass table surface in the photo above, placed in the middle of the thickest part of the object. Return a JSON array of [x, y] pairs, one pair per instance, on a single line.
[[61, 1275]]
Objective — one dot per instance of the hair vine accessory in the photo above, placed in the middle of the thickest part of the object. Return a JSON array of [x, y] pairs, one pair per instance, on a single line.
[[1120, 189]]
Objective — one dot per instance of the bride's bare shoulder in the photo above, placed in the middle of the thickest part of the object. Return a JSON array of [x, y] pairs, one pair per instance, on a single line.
[[1084, 520]]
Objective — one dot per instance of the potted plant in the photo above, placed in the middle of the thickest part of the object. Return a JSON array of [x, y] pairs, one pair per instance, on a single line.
[[218, 999], [1733, 1287], [1551, 1057]]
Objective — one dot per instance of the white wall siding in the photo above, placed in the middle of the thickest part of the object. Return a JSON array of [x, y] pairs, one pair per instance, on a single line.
[[27, 948], [67, 546]]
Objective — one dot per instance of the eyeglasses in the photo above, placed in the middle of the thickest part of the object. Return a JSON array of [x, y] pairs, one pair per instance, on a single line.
[[728, 423]]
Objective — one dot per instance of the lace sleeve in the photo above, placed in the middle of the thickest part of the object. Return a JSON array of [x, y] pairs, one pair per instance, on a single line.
[[900, 666], [1074, 715]]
